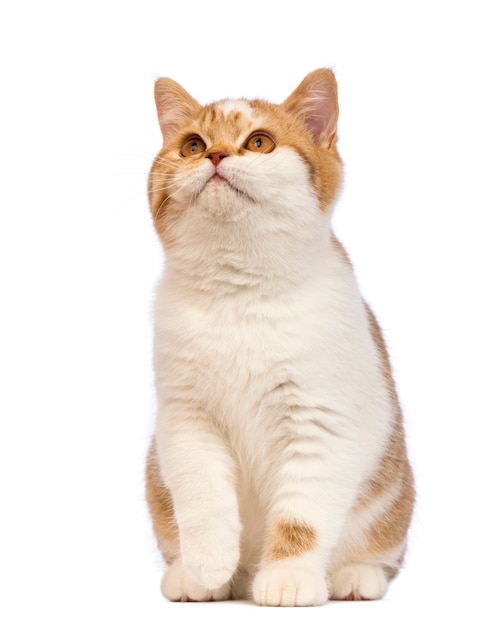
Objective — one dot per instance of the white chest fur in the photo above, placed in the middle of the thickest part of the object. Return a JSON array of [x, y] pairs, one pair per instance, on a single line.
[[250, 361]]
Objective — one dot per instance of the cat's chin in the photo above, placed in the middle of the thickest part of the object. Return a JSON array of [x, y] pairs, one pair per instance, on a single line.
[[222, 201]]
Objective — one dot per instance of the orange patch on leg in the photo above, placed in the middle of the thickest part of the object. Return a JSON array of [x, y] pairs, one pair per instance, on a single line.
[[160, 504], [290, 539]]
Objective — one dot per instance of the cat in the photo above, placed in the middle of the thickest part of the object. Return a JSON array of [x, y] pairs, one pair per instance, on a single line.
[[278, 469]]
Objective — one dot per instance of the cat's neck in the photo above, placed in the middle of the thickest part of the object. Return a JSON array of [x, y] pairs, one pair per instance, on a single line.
[[266, 265]]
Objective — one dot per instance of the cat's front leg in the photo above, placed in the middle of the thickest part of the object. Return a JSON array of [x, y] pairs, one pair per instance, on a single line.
[[292, 573], [312, 490], [293, 570], [200, 474]]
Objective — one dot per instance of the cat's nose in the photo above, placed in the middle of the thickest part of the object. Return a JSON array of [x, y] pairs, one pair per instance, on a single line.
[[216, 156]]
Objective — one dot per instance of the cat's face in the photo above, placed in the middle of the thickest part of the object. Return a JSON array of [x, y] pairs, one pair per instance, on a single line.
[[240, 162]]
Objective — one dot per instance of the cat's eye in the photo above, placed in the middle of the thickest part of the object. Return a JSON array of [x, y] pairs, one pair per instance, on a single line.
[[192, 146], [260, 142]]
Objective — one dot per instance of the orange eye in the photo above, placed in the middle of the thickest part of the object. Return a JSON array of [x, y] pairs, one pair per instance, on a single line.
[[260, 142], [192, 146]]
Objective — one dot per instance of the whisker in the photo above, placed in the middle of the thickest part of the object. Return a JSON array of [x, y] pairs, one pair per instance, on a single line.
[[263, 162]]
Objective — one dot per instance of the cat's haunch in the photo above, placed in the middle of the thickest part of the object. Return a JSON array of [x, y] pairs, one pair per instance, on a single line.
[[278, 469]]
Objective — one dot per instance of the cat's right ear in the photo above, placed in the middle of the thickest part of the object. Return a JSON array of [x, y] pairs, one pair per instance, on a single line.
[[315, 102], [174, 106]]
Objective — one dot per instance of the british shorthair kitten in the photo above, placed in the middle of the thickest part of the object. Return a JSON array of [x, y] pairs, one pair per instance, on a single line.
[[278, 469]]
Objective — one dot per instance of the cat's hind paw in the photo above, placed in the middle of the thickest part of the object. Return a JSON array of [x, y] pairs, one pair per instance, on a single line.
[[177, 586], [287, 585], [359, 581]]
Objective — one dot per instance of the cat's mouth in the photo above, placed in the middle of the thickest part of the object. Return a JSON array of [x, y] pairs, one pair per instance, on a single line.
[[217, 177], [218, 182]]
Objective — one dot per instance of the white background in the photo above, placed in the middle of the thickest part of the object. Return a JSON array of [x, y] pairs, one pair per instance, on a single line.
[[79, 260]]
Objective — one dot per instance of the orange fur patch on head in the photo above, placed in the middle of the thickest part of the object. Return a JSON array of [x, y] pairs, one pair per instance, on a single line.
[[289, 539], [221, 124]]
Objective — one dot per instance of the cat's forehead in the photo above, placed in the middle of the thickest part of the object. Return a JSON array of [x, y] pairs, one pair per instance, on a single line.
[[235, 108], [229, 119]]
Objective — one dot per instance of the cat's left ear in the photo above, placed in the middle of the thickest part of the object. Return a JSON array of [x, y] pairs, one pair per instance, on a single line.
[[315, 102], [174, 106]]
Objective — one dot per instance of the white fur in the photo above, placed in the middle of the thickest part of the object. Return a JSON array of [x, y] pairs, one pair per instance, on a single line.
[[290, 582], [237, 106], [271, 400], [179, 587], [360, 579]]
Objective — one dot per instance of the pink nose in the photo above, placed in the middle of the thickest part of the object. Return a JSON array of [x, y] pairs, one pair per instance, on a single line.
[[216, 156]]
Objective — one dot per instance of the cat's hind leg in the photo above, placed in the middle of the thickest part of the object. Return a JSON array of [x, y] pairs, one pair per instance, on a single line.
[[373, 548]]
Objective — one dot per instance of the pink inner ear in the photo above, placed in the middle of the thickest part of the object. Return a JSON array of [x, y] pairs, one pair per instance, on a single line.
[[321, 121], [315, 102], [168, 121], [171, 114], [174, 106]]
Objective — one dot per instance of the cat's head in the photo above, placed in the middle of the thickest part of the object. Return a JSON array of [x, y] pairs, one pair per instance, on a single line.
[[243, 163]]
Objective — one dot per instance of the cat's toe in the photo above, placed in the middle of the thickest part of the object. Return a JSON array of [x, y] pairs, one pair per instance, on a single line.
[[359, 581], [280, 585], [177, 586]]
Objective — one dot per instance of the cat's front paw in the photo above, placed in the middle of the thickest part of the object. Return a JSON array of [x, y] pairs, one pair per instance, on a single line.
[[211, 557], [287, 585], [177, 586]]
